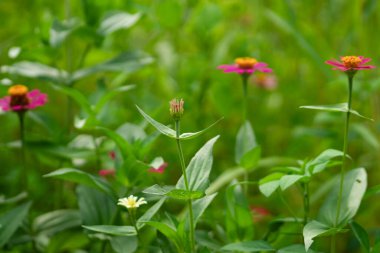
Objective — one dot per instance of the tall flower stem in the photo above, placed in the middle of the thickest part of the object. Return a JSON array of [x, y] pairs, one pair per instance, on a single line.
[[21, 117], [183, 167], [306, 202], [342, 170], [245, 94]]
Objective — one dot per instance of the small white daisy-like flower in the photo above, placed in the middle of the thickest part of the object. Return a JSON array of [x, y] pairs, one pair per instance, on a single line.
[[131, 202]]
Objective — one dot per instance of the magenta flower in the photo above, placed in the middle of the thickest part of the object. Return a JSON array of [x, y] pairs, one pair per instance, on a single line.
[[159, 170], [265, 81], [350, 63], [106, 173], [245, 65], [21, 100]]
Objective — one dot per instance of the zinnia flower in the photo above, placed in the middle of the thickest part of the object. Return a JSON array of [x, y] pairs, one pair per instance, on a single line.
[[21, 100], [265, 81], [350, 63], [131, 202], [245, 65], [176, 108]]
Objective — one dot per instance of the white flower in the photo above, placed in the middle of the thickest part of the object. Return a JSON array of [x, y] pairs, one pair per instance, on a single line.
[[131, 202]]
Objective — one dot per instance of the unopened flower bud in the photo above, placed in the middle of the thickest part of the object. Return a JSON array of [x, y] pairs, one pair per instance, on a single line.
[[176, 108]]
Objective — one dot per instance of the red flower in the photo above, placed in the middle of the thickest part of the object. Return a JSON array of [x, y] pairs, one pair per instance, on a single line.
[[350, 63], [259, 213], [160, 169], [107, 173]]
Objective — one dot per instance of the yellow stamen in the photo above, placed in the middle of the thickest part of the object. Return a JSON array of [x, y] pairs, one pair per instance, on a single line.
[[18, 90], [351, 61], [246, 62]]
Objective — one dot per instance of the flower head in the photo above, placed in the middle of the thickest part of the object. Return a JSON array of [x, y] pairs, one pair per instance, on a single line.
[[265, 81], [21, 100], [245, 65], [350, 63], [131, 202], [259, 213], [106, 173], [176, 108]]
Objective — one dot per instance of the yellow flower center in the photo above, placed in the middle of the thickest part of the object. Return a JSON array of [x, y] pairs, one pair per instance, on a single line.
[[351, 61], [246, 62], [18, 90]]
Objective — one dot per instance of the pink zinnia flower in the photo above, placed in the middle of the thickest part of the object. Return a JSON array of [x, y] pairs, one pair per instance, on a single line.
[[245, 65], [21, 100], [265, 81], [106, 173], [259, 213], [350, 63]]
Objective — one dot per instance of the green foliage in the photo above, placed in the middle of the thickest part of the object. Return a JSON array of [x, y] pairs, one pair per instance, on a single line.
[[249, 246]]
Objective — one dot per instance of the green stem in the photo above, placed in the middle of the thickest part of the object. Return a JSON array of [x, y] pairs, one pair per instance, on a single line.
[[306, 202], [345, 139], [245, 93], [24, 173], [183, 167]]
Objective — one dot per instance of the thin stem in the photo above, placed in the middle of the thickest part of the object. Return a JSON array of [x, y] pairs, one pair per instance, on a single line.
[[345, 139], [183, 167], [306, 202], [245, 93], [25, 173]]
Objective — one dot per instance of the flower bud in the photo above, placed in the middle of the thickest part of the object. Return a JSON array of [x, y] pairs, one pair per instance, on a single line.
[[176, 108]]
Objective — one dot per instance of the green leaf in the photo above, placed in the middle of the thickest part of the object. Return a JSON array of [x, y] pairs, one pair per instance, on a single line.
[[187, 136], [117, 20], [113, 230], [245, 141], [315, 229], [249, 246], [296, 248], [355, 184], [53, 222], [200, 205], [81, 177], [158, 190], [61, 30], [10, 221], [342, 107], [270, 183], [289, 180], [251, 158], [323, 160], [126, 62], [374, 190], [110, 94], [361, 234], [169, 232], [160, 127], [124, 244], [184, 195], [77, 96], [199, 168], [37, 71], [148, 215]]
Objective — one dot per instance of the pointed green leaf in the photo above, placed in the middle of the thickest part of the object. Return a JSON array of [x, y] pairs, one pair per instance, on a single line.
[[187, 136], [297, 248], [315, 229], [148, 215], [184, 195], [81, 177], [199, 168], [158, 190], [289, 180], [61, 30], [200, 205], [342, 107], [10, 221], [113, 230], [117, 20], [361, 235], [355, 184], [270, 183], [245, 141], [250, 246], [251, 158], [160, 127], [169, 232]]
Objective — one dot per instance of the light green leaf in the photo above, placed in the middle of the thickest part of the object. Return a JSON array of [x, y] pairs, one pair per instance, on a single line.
[[355, 184], [37, 71], [124, 244], [61, 30], [342, 107], [160, 127], [81, 177], [113, 230], [126, 62], [53, 222], [199, 168], [187, 136], [245, 141], [323, 160], [158, 190], [361, 235], [10, 221], [184, 195], [251, 158], [288, 180], [117, 20], [200, 205], [315, 229], [148, 215], [250, 246], [270, 183], [296, 248]]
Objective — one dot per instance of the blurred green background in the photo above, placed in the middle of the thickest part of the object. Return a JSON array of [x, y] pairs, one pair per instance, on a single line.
[[184, 42]]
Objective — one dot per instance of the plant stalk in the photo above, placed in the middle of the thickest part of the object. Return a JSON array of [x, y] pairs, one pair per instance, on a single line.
[[183, 167], [25, 174], [245, 94], [306, 202]]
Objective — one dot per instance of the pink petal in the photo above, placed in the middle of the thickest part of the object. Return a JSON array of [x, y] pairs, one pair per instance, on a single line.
[[4, 103], [365, 67], [365, 60], [334, 63]]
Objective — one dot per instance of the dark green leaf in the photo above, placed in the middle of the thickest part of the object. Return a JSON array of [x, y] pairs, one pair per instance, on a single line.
[[250, 246], [169, 232], [361, 235], [113, 230]]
